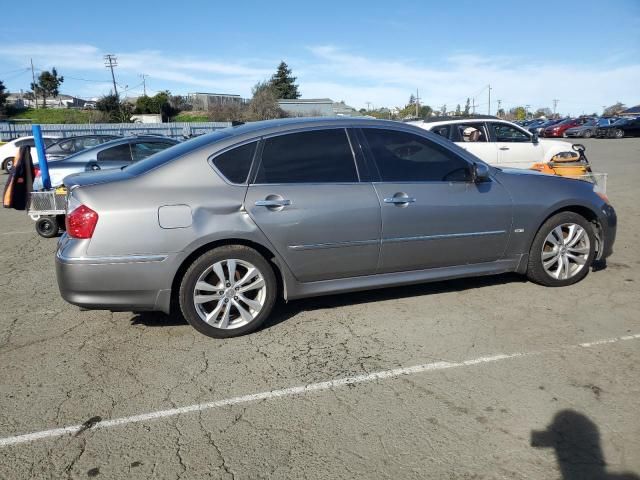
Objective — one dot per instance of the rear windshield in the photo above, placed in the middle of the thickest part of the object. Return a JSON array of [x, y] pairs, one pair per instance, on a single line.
[[165, 156]]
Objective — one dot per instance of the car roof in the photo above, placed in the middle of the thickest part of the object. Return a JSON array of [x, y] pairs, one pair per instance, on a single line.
[[423, 123], [119, 141]]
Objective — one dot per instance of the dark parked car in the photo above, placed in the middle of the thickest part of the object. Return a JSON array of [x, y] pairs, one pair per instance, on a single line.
[[623, 127], [220, 226], [558, 129], [69, 146], [114, 154], [588, 129]]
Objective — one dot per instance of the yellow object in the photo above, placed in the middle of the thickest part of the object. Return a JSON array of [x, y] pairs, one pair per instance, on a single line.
[[62, 190]]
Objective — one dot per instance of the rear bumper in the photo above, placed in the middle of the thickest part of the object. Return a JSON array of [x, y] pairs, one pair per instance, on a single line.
[[128, 283]]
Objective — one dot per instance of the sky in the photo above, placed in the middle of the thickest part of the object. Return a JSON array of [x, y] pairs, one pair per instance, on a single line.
[[585, 54]]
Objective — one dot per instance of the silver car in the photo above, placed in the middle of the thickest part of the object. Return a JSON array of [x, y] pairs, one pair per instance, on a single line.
[[113, 154], [217, 227]]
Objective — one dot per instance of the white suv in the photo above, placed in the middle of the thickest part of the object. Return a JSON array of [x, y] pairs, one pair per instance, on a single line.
[[498, 142]]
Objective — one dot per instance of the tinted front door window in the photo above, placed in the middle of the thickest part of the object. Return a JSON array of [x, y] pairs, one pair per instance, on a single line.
[[507, 133], [143, 150], [119, 153], [405, 157], [321, 156]]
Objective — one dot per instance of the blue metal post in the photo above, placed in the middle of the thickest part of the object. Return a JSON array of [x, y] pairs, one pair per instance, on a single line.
[[42, 156]]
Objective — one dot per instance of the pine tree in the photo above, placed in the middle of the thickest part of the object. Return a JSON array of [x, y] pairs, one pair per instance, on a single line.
[[47, 85], [458, 111], [284, 83], [467, 106], [412, 100]]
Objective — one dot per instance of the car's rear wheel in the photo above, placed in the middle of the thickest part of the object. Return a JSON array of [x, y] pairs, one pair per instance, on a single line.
[[562, 251], [587, 134], [619, 133], [8, 165], [228, 291]]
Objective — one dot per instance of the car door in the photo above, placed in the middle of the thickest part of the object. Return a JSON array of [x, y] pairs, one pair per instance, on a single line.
[[112, 157], [307, 199], [515, 146], [473, 137], [433, 215]]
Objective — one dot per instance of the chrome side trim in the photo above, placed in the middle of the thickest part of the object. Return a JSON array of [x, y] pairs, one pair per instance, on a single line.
[[110, 260], [314, 246], [446, 235]]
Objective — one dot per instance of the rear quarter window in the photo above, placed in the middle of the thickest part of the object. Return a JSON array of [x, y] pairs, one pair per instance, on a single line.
[[235, 164]]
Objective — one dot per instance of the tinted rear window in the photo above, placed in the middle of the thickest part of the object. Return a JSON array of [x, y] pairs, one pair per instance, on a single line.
[[235, 164], [319, 156]]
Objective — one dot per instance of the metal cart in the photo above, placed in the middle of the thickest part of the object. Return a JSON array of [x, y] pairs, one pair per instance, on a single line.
[[47, 209]]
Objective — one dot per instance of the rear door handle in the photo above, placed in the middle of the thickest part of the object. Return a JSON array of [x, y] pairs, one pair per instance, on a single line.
[[400, 200], [504, 148], [273, 203]]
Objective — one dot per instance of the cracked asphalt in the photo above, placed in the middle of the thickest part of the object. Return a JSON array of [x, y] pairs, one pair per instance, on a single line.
[[564, 412]]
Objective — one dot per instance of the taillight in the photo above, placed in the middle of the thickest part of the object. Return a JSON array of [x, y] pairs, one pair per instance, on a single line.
[[81, 222]]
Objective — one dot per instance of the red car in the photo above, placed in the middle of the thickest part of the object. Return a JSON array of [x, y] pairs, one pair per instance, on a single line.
[[558, 129]]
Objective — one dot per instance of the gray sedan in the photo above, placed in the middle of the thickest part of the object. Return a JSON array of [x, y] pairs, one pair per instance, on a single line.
[[587, 129], [216, 228], [114, 154]]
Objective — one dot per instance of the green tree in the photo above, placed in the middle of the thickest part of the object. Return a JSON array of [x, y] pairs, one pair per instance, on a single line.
[[115, 110], [264, 103], [518, 113], [458, 110], [3, 97], [412, 100], [160, 103], [47, 85], [443, 110], [467, 107], [283, 83], [614, 109]]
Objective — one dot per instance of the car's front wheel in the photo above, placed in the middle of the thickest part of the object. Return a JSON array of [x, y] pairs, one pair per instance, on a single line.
[[228, 291], [619, 133], [562, 251], [587, 134], [8, 165]]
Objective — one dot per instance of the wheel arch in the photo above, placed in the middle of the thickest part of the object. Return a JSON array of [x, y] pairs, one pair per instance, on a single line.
[[261, 249], [586, 212]]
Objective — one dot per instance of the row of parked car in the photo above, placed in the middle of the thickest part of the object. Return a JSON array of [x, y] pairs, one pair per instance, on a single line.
[[85, 153], [585, 127]]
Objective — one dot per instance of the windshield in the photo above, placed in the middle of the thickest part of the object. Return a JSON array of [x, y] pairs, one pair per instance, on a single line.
[[603, 121], [589, 123], [165, 156]]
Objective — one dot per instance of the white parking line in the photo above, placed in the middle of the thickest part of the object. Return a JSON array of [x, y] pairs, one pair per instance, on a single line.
[[292, 391], [16, 233]]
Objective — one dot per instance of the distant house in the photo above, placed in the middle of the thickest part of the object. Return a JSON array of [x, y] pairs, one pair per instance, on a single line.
[[25, 100], [633, 111], [202, 101], [341, 109], [307, 107]]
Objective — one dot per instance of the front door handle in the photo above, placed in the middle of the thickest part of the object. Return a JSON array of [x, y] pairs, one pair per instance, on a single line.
[[273, 203], [504, 148], [399, 199]]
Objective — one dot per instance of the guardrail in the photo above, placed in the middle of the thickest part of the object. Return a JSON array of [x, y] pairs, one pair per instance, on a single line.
[[178, 130]]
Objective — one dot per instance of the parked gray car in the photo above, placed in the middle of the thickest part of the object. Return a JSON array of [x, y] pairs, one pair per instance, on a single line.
[[113, 154], [588, 129], [68, 146], [219, 226]]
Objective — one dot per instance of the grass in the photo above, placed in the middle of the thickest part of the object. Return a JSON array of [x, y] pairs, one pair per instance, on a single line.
[[190, 117], [53, 115]]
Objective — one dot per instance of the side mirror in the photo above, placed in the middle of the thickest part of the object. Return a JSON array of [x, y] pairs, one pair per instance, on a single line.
[[480, 172], [534, 138]]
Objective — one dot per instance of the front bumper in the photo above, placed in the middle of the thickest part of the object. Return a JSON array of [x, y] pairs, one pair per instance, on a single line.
[[608, 221], [126, 283]]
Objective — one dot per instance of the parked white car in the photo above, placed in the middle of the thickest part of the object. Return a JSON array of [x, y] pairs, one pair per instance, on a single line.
[[8, 151], [498, 142]]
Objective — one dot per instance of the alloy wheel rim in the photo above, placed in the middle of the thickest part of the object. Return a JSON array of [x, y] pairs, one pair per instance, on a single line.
[[565, 251], [229, 294]]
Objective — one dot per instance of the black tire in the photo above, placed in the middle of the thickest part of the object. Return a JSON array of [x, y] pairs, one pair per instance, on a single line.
[[8, 165], [587, 134], [535, 269], [205, 261], [47, 227], [619, 133]]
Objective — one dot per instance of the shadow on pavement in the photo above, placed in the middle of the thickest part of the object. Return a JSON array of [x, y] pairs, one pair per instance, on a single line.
[[576, 441]]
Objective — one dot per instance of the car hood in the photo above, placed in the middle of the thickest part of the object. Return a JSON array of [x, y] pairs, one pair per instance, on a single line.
[[94, 178]]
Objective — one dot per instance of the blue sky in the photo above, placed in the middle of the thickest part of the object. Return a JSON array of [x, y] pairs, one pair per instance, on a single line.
[[585, 54]]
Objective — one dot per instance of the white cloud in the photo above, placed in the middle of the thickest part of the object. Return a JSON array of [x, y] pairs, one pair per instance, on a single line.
[[330, 71]]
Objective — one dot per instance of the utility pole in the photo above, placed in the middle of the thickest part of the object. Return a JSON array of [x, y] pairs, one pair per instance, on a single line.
[[526, 111], [489, 107], [144, 83], [417, 104], [555, 104], [368, 106], [473, 105], [33, 76], [499, 103], [111, 61]]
